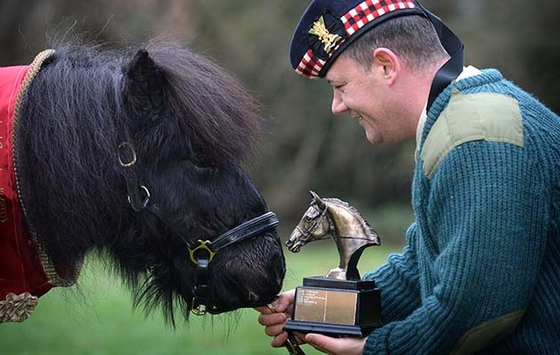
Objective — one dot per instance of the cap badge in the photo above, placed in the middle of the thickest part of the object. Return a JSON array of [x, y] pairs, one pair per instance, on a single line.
[[320, 30], [327, 32]]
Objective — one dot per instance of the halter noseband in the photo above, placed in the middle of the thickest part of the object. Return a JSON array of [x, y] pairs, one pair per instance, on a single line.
[[201, 252]]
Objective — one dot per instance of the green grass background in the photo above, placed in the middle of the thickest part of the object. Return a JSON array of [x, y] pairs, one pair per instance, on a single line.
[[97, 317]]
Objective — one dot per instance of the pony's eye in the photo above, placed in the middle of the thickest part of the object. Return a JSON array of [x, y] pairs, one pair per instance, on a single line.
[[204, 163]]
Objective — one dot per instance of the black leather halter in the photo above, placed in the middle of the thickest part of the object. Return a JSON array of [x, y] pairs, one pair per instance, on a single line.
[[201, 252]]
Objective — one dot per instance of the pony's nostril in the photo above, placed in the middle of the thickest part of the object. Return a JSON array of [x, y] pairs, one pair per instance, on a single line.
[[253, 297]]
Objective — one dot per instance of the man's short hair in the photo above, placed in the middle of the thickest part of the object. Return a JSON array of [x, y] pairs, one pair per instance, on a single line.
[[412, 38]]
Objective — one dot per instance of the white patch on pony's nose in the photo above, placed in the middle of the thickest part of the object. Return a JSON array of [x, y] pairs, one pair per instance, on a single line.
[[253, 297]]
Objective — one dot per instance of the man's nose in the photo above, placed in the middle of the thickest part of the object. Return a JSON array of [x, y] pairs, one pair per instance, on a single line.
[[338, 107]]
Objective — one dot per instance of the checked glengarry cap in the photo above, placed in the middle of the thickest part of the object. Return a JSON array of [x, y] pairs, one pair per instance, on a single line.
[[327, 27]]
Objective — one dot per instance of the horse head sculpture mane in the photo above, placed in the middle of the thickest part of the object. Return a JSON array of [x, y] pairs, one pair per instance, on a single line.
[[334, 217], [137, 155]]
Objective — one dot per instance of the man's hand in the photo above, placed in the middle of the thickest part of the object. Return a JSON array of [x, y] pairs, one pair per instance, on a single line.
[[336, 346], [275, 316]]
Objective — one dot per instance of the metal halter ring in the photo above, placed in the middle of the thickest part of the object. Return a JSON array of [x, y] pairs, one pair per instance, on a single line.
[[146, 199], [133, 152]]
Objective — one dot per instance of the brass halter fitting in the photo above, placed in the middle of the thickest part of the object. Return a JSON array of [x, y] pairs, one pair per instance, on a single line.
[[204, 245], [198, 310]]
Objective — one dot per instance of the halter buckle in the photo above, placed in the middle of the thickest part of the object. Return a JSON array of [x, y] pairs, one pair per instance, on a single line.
[[204, 245], [198, 310]]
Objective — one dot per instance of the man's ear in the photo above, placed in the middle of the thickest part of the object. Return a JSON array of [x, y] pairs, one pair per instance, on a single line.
[[144, 88], [387, 63]]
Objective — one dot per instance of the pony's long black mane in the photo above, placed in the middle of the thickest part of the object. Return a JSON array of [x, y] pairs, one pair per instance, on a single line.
[[217, 115], [76, 114]]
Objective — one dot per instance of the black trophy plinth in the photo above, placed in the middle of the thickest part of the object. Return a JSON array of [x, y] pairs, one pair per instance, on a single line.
[[336, 307]]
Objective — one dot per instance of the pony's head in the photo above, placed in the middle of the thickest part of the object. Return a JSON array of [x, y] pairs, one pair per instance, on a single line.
[[188, 125], [146, 150]]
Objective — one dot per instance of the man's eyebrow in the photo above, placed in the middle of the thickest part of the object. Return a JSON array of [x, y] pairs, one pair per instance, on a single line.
[[333, 81]]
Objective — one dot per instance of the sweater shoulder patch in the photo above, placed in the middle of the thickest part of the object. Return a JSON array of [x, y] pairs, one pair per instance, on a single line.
[[485, 334], [481, 116]]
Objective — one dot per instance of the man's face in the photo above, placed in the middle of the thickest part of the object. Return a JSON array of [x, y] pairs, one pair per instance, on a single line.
[[370, 95]]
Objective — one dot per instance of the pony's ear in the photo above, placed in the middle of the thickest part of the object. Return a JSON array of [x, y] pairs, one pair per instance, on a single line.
[[318, 200], [144, 86]]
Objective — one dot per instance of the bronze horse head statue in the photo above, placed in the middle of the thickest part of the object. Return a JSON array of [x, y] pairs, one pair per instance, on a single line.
[[350, 231]]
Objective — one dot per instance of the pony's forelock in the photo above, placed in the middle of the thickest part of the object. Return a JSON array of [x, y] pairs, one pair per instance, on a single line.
[[215, 111]]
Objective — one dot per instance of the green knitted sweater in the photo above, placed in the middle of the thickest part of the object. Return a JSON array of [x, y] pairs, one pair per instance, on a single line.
[[481, 269]]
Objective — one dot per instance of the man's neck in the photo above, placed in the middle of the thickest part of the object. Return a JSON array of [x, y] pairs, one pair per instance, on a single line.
[[467, 72]]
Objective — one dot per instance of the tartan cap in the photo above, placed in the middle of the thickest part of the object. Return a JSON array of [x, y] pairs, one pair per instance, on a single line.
[[327, 27]]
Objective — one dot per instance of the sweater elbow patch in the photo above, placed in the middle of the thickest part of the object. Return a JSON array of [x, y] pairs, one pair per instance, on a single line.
[[482, 116], [487, 333]]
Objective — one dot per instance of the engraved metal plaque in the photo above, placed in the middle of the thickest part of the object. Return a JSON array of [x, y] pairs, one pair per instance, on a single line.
[[336, 307], [316, 305]]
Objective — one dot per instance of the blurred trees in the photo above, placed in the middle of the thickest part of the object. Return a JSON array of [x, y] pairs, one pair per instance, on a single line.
[[304, 147]]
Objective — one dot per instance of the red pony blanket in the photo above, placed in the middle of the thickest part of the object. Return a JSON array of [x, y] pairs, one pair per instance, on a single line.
[[22, 276]]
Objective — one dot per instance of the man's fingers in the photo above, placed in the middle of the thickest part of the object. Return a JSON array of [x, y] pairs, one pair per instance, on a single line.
[[318, 341], [284, 302], [273, 318], [274, 330], [279, 340], [281, 305], [340, 346]]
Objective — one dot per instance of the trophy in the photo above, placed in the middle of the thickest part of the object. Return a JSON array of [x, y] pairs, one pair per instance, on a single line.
[[340, 303]]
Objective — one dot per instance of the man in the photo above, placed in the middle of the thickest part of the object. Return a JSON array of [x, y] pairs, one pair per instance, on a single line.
[[481, 269]]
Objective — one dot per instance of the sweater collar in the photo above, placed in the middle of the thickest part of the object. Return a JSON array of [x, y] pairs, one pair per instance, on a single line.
[[467, 72]]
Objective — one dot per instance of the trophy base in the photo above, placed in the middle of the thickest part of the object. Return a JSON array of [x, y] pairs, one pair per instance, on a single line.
[[333, 330], [336, 307]]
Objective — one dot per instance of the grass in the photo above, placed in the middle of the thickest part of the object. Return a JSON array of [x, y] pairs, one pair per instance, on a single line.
[[99, 319]]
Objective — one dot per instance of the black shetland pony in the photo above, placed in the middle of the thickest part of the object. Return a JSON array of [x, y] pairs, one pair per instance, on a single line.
[[138, 156]]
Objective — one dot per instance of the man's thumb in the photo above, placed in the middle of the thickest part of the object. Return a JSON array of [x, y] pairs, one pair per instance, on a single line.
[[318, 341]]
